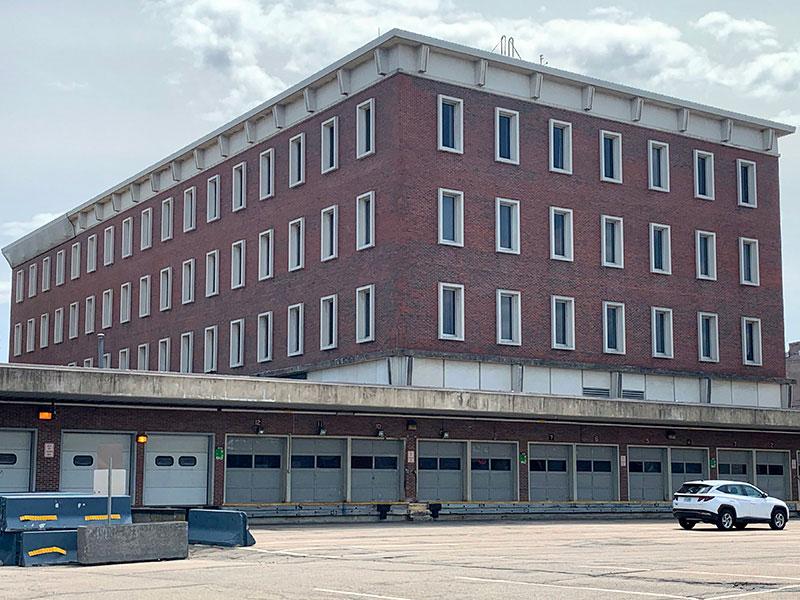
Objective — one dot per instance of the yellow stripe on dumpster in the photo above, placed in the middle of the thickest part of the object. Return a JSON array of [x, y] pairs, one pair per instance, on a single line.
[[48, 550], [100, 517], [38, 518]]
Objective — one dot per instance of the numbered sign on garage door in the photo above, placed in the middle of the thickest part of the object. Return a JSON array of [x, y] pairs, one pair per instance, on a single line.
[[375, 471], [79, 459], [255, 469], [176, 470], [15, 460]]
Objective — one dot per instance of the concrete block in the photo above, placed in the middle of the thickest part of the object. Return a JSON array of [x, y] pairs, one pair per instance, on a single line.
[[219, 528], [137, 542], [56, 510], [51, 547]]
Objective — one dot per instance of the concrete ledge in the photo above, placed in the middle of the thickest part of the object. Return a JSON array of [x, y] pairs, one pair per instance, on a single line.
[[132, 543]]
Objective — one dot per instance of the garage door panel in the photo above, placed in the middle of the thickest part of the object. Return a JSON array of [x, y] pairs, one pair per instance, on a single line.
[[735, 465], [688, 464], [493, 473], [15, 460], [318, 469], [376, 470], [445, 478], [176, 470], [772, 473], [596, 473], [79, 459], [647, 472], [255, 469], [550, 472]]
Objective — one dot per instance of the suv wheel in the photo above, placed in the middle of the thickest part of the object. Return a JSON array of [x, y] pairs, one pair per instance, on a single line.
[[686, 524], [726, 519], [778, 519]]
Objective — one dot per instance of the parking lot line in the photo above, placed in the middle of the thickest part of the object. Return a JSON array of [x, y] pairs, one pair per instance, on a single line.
[[577, 587], [358, 594], [759, 592], [717, 574]]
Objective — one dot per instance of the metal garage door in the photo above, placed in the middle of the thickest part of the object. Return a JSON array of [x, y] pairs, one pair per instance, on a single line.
[[596, 472], [550, 476], [647, 472], [255, 469], [440, 471], [735, 465], [688, 464], [176, 470], [375, 470], [772, 473], [494, 474], [79, 459], [318, 470], [15, 460]]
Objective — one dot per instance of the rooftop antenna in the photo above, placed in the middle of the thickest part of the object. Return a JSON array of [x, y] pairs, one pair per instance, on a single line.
[[507, 47], [542, 61]]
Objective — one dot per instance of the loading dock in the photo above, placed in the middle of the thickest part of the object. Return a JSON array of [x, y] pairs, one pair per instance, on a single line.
[[15, 460], [176, 470], [79, 459], [255, 469], [318, 470], [596, 472], [493, 467], [550, 472], [772, 473], [375, 473], [440, 471], [647, 473]]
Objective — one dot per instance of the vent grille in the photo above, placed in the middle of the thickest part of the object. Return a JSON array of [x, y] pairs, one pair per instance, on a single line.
[[633, 394], [596, 392]]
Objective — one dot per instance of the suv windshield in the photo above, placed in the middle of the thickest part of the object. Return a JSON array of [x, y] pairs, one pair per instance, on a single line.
[[694, 488]]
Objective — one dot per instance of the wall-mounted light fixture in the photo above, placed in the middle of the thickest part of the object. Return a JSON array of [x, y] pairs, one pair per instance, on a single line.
[[141, 438], [321, 428], [411, 425], [444, 434], [258, 427], [46, 414], [379, 431]]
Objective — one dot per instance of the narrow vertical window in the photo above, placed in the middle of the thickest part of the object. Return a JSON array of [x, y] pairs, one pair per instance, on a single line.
[[660, 249], [560, 233], [561, 147], [294, 327], [108, 246], [562, 311], [239, 187], [507, 225], [33, 279], [658, 162], [58, 326], [451, 311], [365, 221], [60, 260], [146, 233], [297, 244], [451, 217], [73, 320], [107, 319], [266, 174], [328, 325], [748, 262], [30, 330], [611, 157], [451, 124], [708, 337], [187, 352], [297, 160], [506, 136], [143, 357], [19, 287], [163, 355], [212, 273], [74, 263], [751, 341], [17, 339], [329, 144], [44, 330], [189, 209], [187, 281], [265, 255], [237, 264], [210, 349], [46, 273], [509, 318], [661, 325], [612, 242], [264, 346], [706, 250], [144, 296], [329, 236], [746, 179], [365, 128], [125, 303], [212, 199], [91, 254], [88, 362], [165, 289], [89, 316], [365, 314], [166, 219], [703, 175], [613, 327], [127, 237], [124, 359]]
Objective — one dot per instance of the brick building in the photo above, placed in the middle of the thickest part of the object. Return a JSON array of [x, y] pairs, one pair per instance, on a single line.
[[424, 214]]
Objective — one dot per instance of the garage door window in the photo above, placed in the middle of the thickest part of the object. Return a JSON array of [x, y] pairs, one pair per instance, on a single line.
[[541, 465], [501, 464], [329, 462], [303, 461], [187, 461], [733, 469], [8, 459], [386, 463], [164, 461], [267, 461], [593, 466], [428, 464], [449, 464], [760, 469], [239, 461], [648, 466], [689, 468], [82, 460], [361, 462]]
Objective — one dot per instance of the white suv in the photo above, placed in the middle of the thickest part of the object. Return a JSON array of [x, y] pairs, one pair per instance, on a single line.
[[727, 504]]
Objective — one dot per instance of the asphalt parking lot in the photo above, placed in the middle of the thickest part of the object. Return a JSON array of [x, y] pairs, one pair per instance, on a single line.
[[415, 561]]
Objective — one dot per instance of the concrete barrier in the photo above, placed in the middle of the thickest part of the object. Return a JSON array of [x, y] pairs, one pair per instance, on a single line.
[[219, 528], [132, 543], [40, 511], [55, 547]]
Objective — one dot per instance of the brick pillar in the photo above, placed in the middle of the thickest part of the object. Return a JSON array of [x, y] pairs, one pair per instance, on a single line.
[[524, 471], [219, 469], [138, 496], [411, 466], [48, 470]]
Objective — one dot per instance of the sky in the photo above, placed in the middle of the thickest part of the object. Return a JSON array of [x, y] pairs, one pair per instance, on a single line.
[[91, 92]]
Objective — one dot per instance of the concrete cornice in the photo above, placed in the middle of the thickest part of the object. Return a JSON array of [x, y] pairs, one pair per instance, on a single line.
[[96, 387]]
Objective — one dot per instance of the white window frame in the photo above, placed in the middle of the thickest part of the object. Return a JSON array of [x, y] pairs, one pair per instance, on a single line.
[[297, 228], [668, 333], [238, 271], [146, 233], [361, 292], [164, 352], [617, 156], [91, 253], [19, 287], [361, 151], [667, 248], [124, 359], [58, 325], [108, 246], [44, 330], [145, 293], [663, 166], [458, 336], [266, 254], [264, 345], [296, 168], [236, 351], [89, 315], [46, 274], [60, 267], [88, 363], [190, 209], [567, 127], [331, 125], [187, 352], [74, 264], [266, 164], [167, 219], [620, 242], [516, 317], [187, 281], [459, 216], [568, 237], [570, 331], [239, 201], [18, 339], [362, 231], [125, 296], [107, 313], [514, 135], [755, 268], [332, 213], [515, 219], [333, 300], [709, 156], [213, 205], [297, 309], [210, 349], [753, 186], [620, 327], [30, 335], [74, 320], [458, 125], [143, 357], [698, 234], [757, 355], [107, 360], [212, 275], [33, 279], [165, 289], [714, 337], [127, 237]]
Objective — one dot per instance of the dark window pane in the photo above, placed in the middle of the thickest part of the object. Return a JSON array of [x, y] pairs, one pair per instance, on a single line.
[[367, 130], [331, 147], [750, 343], [505, 225], [656, 160], [611, 243], [480, 464], [538, 465], [557, 466], [82, 460], [776, 469], [678, 468], [448, 217], [661, 333], [583, 466], [449, 464], [506, 317], [361, 462], [558, 147], [636, 466], [428, 463], [164, 461], [762, 469], [239, 461], [559, 234], [386, 463], [652, 466], [694, 468], [745, 184], [561, 323], [448, 125], [302, 461], [702, 183], [724, 469], [601, 466], [267, 461], [329, 462], [611, 328], [739, 469], [704, 258], [187, 461], [505, 136], [608, 158], [8, 459], [501, 464], [449, 312], [658, 249]]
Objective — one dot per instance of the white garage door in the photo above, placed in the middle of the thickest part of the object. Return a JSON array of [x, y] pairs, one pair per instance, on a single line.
[[79, 459], [15, 460], [176, 470]]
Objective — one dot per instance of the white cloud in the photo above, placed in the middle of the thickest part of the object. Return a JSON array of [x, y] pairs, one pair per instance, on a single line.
[[16, 229], [68, 86], [752, 33]]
